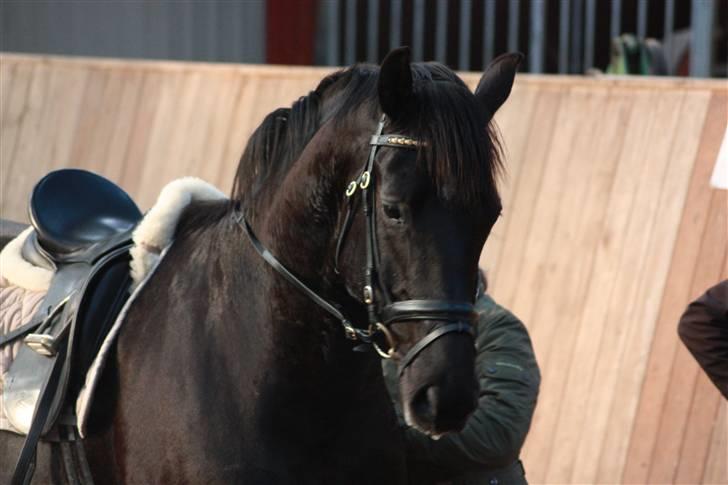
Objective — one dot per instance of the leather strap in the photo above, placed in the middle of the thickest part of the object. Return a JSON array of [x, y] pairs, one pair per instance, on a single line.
[[459, 327], [350, 330], [26, 461], [19, 332], [428, 310]]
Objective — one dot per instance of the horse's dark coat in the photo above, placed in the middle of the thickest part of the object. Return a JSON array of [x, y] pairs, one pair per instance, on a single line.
[[226, 374]]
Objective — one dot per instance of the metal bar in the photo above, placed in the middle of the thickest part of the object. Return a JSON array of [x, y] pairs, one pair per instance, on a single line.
[[441, 31], [591, 8], [418, 31], [702, 33], [395, 24], [642, 19], [615, 24], [488, 32], [564, 25], [514, 7], [576, 43], [373, 31], [253, 27], [537, 35], [466, 7], [667, 31], [332, 33], [350, 33]]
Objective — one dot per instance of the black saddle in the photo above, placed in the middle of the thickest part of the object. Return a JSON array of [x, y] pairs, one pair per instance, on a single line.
[[75, 210], [83, 225]]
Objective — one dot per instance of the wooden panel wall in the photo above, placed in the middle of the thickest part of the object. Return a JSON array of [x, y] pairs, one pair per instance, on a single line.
[[610, 228]]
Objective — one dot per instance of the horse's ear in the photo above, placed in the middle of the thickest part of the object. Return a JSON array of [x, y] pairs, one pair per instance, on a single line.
[[495, 85], [395, 82]]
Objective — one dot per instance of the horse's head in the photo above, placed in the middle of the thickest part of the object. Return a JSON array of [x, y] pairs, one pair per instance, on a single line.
[[431, 200], [400, 254]]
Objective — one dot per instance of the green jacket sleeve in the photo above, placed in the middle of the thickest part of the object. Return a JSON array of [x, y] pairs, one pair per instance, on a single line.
[[509, 381]]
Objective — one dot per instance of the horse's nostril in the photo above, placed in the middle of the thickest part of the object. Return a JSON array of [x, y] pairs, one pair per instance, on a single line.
[[425, 403]]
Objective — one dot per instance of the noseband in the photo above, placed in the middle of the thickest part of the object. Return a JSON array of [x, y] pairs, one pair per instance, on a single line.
[[459, 314]]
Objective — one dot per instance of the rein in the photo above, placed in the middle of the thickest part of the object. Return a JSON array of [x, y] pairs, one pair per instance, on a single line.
[[460, 314]]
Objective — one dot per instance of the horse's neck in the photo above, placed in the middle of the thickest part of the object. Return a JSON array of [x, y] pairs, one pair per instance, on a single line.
[[298, 350]]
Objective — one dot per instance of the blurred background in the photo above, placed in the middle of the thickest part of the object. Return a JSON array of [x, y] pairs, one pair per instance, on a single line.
[[686, 37]]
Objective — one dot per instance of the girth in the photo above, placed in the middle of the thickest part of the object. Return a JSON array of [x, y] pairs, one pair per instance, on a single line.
[[460, 315]]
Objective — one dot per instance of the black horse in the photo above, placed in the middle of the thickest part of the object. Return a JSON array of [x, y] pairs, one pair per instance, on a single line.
[[227, 372]]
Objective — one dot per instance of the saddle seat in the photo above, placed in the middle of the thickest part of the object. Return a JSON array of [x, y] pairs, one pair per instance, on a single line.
[[74, 211]]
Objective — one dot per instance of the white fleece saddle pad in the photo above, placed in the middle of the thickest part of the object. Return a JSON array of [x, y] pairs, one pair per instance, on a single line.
[[23, 286]]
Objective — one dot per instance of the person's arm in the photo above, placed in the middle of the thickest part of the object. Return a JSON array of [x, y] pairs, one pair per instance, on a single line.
[[493, 435], [703, 328]]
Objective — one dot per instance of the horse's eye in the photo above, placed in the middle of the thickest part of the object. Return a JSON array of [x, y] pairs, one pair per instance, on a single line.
[[392, 211]]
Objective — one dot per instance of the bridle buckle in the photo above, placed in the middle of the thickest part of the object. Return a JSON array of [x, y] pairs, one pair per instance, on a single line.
[[349, 330], [391, 341]]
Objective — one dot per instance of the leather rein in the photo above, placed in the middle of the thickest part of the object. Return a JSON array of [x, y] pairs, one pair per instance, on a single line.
[[459, 314]]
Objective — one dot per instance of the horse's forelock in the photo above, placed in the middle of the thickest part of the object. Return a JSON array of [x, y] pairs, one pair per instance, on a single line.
[[461, 149]]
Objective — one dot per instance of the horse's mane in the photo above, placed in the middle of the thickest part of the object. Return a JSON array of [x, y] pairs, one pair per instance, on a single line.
[[444, 113]]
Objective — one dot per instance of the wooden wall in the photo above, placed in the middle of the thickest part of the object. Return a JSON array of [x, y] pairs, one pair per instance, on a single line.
[[610, 228]]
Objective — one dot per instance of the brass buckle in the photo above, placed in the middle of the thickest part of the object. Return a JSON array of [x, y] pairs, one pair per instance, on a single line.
[[368, 295], [391, 341], [349, 330], [41, 343], [365, 179], [351, 188]]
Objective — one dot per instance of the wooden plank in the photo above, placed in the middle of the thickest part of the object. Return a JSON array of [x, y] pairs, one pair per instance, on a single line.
[[275, 71], [700, 426], [217, 169], [239, 132], [513, 121], [519, 213], [26, 166], [258, 98], [674, 421], [181, 135], [90, 140], [575, 354], [716, 466], [194, 133], [162, 140], [125, 115], [571, 115], [619, 256], [536, 258], [707, 400], [147, 109], [676, 296], [558, 297], [665, 220], [7, 76], [13, 89]]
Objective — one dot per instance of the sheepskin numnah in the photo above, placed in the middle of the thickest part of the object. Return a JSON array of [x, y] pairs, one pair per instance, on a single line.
[[23, 286]]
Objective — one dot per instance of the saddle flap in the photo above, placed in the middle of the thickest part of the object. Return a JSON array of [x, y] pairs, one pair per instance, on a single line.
[[90, 297]]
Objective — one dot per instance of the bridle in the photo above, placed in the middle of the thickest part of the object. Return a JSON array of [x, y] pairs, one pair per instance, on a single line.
[[459, 314]]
